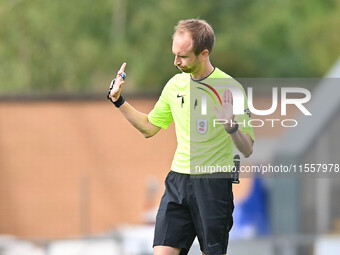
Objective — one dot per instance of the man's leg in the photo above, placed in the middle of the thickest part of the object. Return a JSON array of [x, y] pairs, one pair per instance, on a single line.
[[174, 226], [165, 250], [211, 204]]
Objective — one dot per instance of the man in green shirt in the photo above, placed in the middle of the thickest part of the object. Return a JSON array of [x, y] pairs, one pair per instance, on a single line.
[[193, 207]]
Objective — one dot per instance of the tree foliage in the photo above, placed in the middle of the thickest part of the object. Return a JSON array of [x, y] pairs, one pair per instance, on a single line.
[[77, 46]]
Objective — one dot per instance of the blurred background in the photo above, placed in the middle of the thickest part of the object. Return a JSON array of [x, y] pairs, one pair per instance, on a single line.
[[76, 178]]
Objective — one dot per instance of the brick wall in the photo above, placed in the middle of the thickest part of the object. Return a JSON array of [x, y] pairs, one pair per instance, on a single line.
[[72, 168]]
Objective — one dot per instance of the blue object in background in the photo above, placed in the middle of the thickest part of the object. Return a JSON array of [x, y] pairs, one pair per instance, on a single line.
[[251, 218]]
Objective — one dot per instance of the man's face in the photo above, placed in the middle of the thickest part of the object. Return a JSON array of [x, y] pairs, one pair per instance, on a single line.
[[185, 58]]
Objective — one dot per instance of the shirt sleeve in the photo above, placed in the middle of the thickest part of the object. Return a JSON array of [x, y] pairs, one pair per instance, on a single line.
[[161, 115]]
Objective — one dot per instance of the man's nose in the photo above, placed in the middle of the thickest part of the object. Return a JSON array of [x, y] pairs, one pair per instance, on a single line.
[[176, 62]]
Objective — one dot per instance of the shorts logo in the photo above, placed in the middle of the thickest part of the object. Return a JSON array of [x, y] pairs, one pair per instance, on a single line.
[[202, 126]]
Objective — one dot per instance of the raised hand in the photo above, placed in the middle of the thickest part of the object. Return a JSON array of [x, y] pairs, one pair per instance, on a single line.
[[226, 112], [116, 84]]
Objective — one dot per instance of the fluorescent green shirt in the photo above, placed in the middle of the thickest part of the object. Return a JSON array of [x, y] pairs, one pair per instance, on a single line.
[[199, 142]]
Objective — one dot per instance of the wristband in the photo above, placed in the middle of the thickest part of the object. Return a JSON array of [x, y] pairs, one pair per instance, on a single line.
[[119, 102], [233, 130]]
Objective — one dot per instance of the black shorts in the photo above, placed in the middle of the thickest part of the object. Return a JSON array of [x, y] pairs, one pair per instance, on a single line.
[[193, 207]]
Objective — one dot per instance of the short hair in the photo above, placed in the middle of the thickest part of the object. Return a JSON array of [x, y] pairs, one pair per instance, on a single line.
[[201, 32]]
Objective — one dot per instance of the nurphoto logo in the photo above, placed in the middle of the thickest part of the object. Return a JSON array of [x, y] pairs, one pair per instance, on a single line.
[[238, 105]]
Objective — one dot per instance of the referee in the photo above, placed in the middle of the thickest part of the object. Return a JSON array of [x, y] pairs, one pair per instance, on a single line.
[[193, 207]]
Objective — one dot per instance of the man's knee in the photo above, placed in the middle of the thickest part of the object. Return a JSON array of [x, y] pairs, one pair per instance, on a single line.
[[165, 250]]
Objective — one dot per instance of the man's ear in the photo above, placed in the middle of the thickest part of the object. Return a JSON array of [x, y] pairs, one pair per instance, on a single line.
[[205, 54]]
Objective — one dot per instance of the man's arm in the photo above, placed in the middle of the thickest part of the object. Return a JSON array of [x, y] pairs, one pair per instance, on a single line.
[[243, 143], [138, 119]]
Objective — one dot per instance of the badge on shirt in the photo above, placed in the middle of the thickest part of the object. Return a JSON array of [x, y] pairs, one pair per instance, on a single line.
[[202, 126]]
